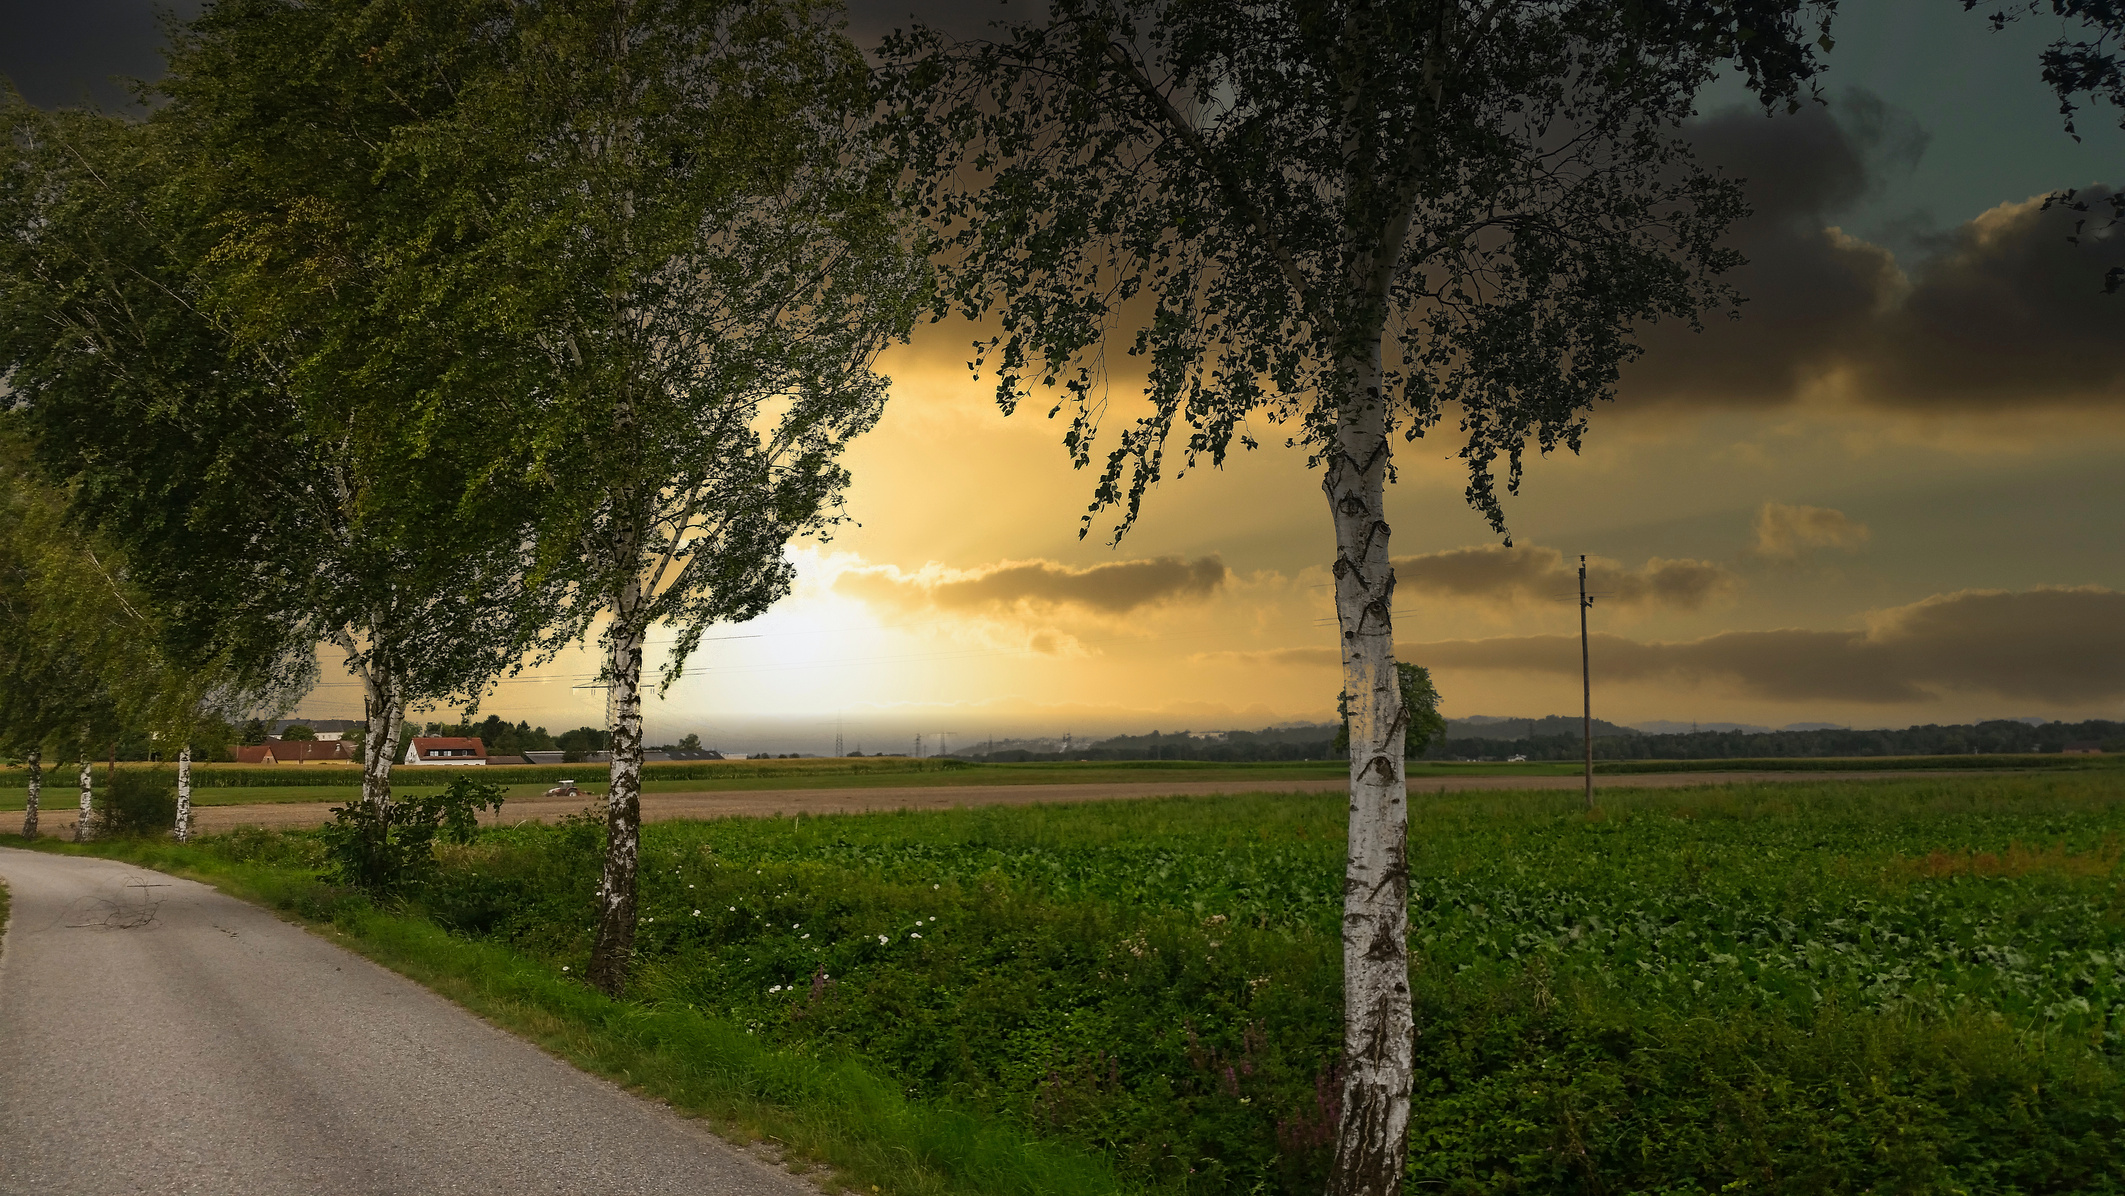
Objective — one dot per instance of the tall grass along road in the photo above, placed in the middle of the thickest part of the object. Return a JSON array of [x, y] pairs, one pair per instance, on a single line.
[[157, 1036]]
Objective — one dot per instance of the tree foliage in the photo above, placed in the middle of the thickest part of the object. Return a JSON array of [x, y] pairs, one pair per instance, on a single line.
[[1420, 699], [124, 392], [671, 217], [1245, 197]]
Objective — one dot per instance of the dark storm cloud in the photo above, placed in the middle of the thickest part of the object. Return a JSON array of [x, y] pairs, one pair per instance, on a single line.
[[1808, 291], [1114, 589], [62, 52], [1529, 574], [2047, 645], [2003, 308], [2007, 309]]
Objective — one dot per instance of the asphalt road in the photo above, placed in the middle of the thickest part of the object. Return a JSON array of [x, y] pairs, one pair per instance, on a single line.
[[159, 1037], [58, 818]]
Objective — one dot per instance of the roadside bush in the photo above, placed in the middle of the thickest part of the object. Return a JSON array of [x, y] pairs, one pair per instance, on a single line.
[[138, 802], [384, 848]]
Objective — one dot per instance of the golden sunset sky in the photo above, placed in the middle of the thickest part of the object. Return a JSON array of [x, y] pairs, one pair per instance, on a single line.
[[1890, 493]]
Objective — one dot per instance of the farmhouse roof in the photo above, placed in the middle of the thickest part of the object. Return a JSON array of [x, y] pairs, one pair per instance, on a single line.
[[298, 751], [449, 745], [256, 753]]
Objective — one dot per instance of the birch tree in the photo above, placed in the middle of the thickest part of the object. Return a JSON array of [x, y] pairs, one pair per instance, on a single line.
[[1358, 220], [199, 335], [33, 762], [680, 221]]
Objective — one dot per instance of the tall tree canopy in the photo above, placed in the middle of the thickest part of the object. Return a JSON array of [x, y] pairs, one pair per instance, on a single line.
[[1357, 219], [127, 397], [313, 235], [203, 335], [661, 244]]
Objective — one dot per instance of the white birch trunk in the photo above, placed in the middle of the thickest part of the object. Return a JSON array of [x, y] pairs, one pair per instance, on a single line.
[[184, 794], [36, 791], [85, 826], [387, 720], [1378, 1046], [614, 947]]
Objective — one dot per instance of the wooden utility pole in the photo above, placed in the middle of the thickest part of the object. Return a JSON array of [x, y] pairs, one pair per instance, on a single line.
[[1586, 682]]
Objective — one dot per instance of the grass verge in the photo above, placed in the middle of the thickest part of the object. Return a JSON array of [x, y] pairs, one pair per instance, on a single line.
[[813, 1107]]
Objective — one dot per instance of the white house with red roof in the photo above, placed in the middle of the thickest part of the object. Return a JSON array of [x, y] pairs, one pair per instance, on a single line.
[[446, 750]]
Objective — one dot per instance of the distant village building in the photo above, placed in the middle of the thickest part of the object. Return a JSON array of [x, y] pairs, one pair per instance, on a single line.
[[446, 750], [2087, 747], [311, 751], [296, 751]]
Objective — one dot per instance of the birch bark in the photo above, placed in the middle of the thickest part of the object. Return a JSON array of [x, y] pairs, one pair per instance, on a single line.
[[387, 720], [36, 790], [184, 794], [614, 946], [384, 705], [1378, 1028], [84, 828]]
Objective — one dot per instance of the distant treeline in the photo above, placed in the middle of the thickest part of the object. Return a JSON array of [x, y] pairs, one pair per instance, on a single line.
[[1311, 741], [1317, 742], [1996, 737]]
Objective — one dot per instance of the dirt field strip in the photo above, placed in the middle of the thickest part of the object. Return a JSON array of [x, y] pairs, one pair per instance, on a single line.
[[762, 803]]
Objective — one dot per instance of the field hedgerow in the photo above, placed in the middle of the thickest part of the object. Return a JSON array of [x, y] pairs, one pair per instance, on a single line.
[[1911, 985]]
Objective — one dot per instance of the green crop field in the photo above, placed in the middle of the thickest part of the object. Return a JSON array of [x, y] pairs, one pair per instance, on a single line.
[[1907, 985]]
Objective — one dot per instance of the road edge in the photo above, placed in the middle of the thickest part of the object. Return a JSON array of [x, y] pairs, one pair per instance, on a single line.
[[811, 1141]]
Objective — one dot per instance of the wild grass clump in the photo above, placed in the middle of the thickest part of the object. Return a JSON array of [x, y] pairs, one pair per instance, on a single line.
[[136, 803]]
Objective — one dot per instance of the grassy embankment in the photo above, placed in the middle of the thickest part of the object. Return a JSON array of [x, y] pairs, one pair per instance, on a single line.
[[1910, 985]]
